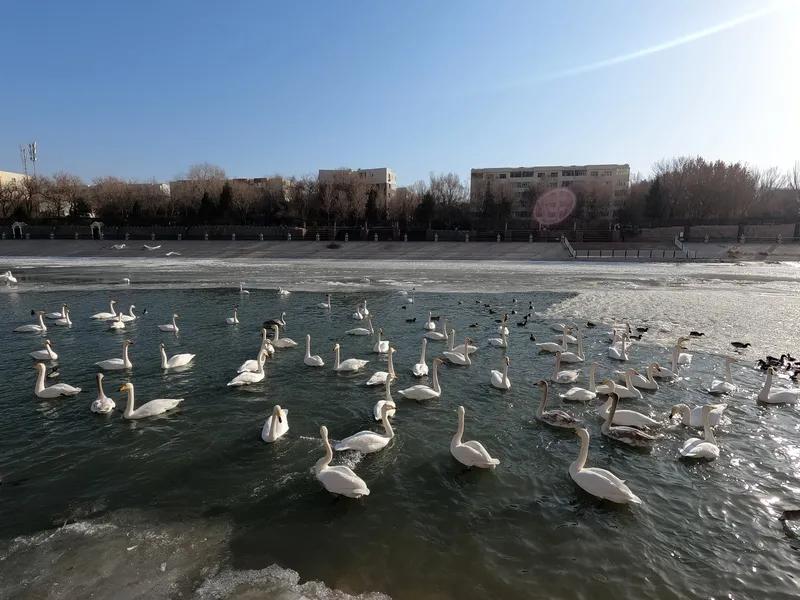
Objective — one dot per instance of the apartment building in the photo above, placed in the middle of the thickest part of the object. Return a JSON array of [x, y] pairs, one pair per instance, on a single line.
[[382, 182]]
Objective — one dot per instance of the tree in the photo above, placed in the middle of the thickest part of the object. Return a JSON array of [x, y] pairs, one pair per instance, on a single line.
[[793, 180]]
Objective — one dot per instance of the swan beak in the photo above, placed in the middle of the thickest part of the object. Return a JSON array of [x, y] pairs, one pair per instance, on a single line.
[[122, 388]]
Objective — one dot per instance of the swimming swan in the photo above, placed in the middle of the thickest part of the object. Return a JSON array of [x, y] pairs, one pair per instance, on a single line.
[[118, 364], [326, 304], [105, 316], [387, 400], [252, 364], [277, 424], [312, 361], [560, 376], [472, 453], [148, 409], [693, 417], [470, 348], [499, 379], [573, 357], [725, 386], [173, 362], [47, 354], [130, 316], [64, 321], [705, 447], [552, 346], [381, 346], [438, 336], [622, 433], [554, 418], [779, 397], [54, 391], [420, 369], [630, 418], [243, 291], [57, 315], [250, 377], [39, 327], [102, 404], [429, 324], [280, 342], [117, 323], [368, 442], [362, 330], [579, 394], [424, 392], [338, 480], [381, 377], [501, 342], [350, 365], [598, 482], [234, 320], [170, 326]]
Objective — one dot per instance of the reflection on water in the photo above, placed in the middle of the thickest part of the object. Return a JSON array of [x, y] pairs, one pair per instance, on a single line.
[[194, 502]]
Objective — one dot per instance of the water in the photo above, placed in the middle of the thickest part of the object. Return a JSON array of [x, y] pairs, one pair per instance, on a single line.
[[194, 504]]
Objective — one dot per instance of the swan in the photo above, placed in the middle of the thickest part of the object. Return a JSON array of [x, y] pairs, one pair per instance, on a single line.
[[326, 304], [501, 342], [126, 280], [429, 324], [779, 397], [621, 433], [151, 248], [501, 329], [148, 409], [47, 354], [338, 480], [638, 380], [368, 442], [693, 417], [472, 453], [571, 339], [573, 357], [705, 447], [8, 278], [315, 360], [350, 365], [623, 391], [499, 379], [725, 386], [280, 342], [438, 336], [118, 364], [102, 404], [252, 364], [116, 323], [250, 377], [598, 482], [172, 253], [381, 377], [560, 376], [39, 327], [277, 424], [173, 362], [664, 373], [281, 321], [680, 358], [387, 400], [54, 391], [558, 327], [234, 320], [424, 392], [629, 418], [130, 316], [554, 347], [554, 418], [105, 316], [57, 315], [381, 346], [170, 326], [283, 292], [619, 351], [579, 394], [459, 358], [362, 330], [243, 291], [461, 347], [420, 369], [358, 315], [364, 309], [64, 321], [410, 297]]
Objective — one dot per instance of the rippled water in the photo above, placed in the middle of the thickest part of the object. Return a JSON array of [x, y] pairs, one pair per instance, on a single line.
[[194, 503]]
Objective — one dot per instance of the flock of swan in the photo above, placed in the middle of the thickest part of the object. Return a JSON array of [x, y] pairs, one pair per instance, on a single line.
[[626, 426]]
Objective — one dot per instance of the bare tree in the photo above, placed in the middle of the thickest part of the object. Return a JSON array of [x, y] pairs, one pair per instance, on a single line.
[[12, 194], [793, 181]]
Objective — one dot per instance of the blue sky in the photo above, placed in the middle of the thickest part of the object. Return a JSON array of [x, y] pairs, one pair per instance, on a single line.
[[143, 89]]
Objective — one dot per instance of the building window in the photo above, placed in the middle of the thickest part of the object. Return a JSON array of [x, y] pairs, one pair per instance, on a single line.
[[552, 184], [566, 183], [501, 176], [619, 193], [477, 175], [540, 175], [527, 173], [607, 173], [516, 173], [553, 173], [567, 173], [580, 173], [594, 173]]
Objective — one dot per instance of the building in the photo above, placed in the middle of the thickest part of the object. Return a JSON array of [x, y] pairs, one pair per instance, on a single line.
[[382, 182], [7, 177], [608, 185]]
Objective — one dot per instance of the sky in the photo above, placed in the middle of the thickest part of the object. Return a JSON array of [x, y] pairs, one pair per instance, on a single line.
[[142, 90]]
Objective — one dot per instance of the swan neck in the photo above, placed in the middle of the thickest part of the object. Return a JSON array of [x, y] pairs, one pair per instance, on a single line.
[[456, 441], [391, 364], [542, 402], [125, 360], [130, 403], [767, 383], [387, 426], [708, 433], [163, 358], [422, 353], [100, 392], [41, 322], [323, 462], [580, 345], [308, 346], [592, 384], [436, 387], [728, 377], [40, 380], [583, 454], [336, 360]]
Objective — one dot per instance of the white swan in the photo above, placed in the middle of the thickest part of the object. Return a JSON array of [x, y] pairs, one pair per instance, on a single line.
[[358, 315], [724, 386], [130, 316], [170, 326], [283, 292], [250, 377], [619, 351], [243, 291], [628, 390], [381, 346], [377, 410], [234, 320], [579, 394], [54, 391], [560, 376], [438, 336], [338, 480], [574, 357], [277, 424], [501, 342], [280, 342], [252, 364], [64, 321], [630, 418], [470, 348], [458, 358], [499, 379], [312, 361], [118, 364], [554, 347], [151, 248], [350, 365], [425, 392], [571, 339], [102, 404], [680, 358], [779, 397], [705, 447], [105, 316], [362, 330], [39, 327], [326, 304], [638, 380], [429, 324], [148, 409], [47, 354], [381, 377], [8, 278], [57, 315], [420, 369], [554, 418], [693, 417], [598, 482], [364, 309], [472, 453], [368, 442], [622, 433], [175, 361], [116, 323]]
